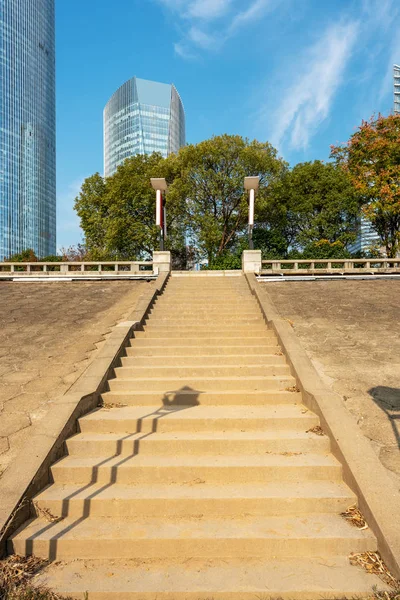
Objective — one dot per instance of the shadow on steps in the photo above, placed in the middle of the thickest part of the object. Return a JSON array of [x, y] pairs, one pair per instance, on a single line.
[[172, 401]]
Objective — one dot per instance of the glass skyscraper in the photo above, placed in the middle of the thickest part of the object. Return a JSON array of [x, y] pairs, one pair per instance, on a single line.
[[27, 127], [396, 85], [142, 117]]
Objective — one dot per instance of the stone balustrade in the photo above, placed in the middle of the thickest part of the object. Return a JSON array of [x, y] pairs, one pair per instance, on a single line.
[[330, 266], [85, 269]]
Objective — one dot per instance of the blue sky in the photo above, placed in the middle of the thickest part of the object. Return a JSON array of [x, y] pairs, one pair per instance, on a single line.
[[301, 74]]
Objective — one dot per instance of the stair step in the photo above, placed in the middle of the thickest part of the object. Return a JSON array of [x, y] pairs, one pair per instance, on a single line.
[[241, 311], [211, 537], [152, 348], [195, 345], [141, 468], [217, 579], [200, 331], [194, 323], [172, 385], [199, 419], [189, 397], [209, 303], [187, 373], [256, 442], [198, 298], [229, 500], [143, 360]]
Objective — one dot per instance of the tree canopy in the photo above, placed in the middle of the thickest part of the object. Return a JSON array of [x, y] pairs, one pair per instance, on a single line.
[[211, 178], [372, 159], [207, 206], [314, 201], [118, 213]]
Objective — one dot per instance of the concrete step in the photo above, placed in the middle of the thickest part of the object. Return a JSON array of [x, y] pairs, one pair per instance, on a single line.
[[196, 469], [147, 348], [196, 345], [172, 385], [240, 360], [201, 371], [228, 500], [218, 579], [191, 419], [256, 442], [205, 330], [204, 285], [197, 298], [211, 303], [196, 335], [188, 397], [241, 310], [207, 284], [211, 537], [209, 321]]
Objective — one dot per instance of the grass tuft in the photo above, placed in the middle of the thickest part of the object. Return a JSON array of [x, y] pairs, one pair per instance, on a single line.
[[16, 573]]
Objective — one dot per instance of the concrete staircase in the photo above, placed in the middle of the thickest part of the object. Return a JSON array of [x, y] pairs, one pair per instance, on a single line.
[[199, 479]]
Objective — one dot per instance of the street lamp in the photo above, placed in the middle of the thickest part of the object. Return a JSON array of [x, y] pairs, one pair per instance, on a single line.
[[252, 184], [160, 186]]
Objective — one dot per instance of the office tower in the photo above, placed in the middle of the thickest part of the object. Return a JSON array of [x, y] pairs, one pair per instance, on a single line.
[[367, 238], [27, 127], [142, 117], [396, 86]]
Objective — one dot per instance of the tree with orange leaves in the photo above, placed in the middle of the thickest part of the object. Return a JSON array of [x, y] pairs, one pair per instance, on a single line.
[[372, 159]]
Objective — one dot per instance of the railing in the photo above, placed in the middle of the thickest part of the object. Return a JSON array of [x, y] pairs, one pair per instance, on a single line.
[[110, 269], [331, 266]]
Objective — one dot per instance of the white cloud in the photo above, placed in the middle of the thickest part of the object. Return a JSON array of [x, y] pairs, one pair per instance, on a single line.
[[201, 39], [199, 9], [208, 9], [307, 101], [379, 13], [255, 11], [183, 51], [212, 22], [173, 4]]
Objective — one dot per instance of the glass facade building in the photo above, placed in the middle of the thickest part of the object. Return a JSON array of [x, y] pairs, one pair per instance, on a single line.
[[367, 237], [142, 117], [396, 86], [27, 127]]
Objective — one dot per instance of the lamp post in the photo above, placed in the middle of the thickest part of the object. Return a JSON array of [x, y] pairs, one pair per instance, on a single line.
[[160, 186], [252, 184]]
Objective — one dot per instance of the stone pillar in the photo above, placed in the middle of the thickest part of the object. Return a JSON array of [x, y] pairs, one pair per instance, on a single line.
[[251, 261], [162, 261]]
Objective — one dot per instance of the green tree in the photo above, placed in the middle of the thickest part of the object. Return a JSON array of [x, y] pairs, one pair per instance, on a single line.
[[211, 178], [118, 213], [372, 160], [312, 202], [92, 209], [27, 255], [322, 249]]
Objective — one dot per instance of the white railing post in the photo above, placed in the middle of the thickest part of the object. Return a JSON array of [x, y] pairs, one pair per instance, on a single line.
[[162, 261], [251, 261]]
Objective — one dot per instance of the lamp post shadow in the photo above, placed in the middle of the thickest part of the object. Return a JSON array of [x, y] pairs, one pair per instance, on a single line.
[[388, 400]]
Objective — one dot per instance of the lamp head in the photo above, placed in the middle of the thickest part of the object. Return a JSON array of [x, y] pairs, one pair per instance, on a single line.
[[159, 184], [251, 183]]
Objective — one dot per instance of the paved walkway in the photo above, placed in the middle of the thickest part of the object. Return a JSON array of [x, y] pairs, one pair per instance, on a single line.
[[48, 334], [350, 330]]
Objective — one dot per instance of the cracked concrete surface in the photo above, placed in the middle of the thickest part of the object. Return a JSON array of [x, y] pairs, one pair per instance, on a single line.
[[49, 333], [350, 330]]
